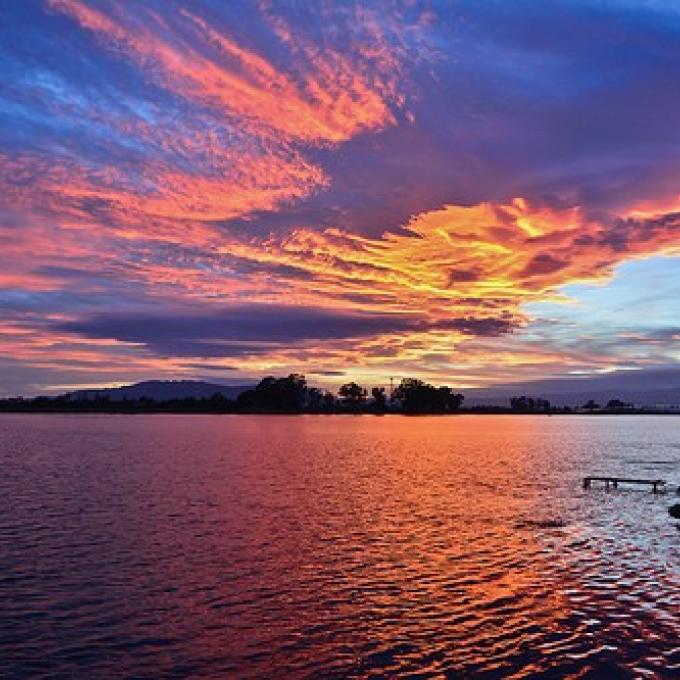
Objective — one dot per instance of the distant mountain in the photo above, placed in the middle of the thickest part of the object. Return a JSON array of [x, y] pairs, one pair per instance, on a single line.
[[643, 388], [653, 388], [160, 390]]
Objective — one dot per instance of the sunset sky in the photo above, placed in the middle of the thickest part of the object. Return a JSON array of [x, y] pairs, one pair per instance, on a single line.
[[469, 192]]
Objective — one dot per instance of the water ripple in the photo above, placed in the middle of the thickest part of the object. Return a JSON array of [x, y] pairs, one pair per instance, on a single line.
[[334, 547]]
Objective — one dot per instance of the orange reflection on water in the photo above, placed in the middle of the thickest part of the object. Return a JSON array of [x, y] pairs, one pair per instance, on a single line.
[[345, 546]]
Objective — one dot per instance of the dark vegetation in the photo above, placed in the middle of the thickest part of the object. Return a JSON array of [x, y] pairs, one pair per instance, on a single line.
[[291, 394], [529, 405], [415, 396]]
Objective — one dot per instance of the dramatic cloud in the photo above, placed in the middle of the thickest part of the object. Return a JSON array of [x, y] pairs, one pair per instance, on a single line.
[[332, 188], [254, 323]]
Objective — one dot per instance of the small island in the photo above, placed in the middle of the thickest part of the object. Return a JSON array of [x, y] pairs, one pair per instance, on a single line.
[[292, 395]]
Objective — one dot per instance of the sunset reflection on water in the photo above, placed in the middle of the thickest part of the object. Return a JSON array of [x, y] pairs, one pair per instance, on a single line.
[[336, 546]]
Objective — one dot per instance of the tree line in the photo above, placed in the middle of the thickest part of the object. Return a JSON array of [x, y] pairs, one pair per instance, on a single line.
[[526, 404], [292, 394], [289, 394]]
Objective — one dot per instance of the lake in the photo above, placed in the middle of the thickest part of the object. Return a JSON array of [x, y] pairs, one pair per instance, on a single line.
[[336, 546]]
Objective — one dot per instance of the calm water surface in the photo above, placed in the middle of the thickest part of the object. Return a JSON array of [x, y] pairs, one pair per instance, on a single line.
[[312, 546]]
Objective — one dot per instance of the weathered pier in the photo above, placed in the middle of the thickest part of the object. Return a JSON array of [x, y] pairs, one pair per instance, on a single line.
[[656, 484]]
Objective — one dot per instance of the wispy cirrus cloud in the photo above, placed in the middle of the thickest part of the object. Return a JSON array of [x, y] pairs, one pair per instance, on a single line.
[[241, 148], [328, 96], [228, 136]]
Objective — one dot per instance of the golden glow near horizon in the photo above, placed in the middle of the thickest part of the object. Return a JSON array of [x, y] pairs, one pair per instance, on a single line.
[[457, 276]]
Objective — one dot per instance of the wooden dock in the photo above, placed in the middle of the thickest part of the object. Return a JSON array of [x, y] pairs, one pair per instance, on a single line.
[[614, 482]]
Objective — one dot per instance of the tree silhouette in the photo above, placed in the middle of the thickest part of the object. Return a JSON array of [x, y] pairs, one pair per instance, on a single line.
[[452, 400], [617, 404], [285, 395], [417, 396], [379, 398], [319, 400], [314, 399], [352, 394], [525, 404]]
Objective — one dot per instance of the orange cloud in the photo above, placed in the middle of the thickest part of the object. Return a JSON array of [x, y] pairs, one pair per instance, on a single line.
[[497, 253], [327, 99], [459, 268], [463, 272], [244, 157]]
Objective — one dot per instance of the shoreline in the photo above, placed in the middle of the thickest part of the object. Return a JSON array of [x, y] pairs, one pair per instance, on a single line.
[[206, 412]]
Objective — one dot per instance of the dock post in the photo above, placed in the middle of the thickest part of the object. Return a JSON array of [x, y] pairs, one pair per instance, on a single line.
[[658, 485]]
